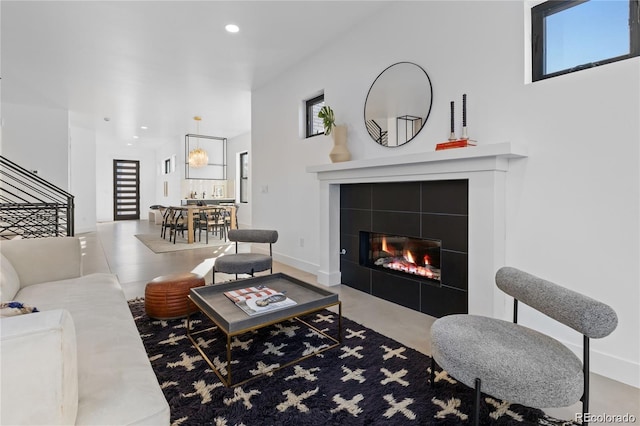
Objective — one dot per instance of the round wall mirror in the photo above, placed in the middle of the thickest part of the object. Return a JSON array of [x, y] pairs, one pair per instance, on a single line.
[[398, 104]]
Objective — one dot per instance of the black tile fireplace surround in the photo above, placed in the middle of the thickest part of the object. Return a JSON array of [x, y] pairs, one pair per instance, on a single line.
[[435, 210]]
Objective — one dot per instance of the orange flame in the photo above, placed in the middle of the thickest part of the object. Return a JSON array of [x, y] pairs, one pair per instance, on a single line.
[[409, 257], [384, 244]]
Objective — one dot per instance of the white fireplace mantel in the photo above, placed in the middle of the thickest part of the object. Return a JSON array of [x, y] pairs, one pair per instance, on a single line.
[[484, 166], [473, 158]]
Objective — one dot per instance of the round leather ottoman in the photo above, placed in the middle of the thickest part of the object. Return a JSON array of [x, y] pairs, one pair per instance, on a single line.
[[165, 297]]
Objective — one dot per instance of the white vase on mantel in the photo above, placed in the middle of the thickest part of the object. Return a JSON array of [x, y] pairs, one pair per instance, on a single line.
[[340, 152]]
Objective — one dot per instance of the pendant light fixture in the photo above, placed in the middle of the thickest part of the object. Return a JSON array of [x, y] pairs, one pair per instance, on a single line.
[[198, 157]]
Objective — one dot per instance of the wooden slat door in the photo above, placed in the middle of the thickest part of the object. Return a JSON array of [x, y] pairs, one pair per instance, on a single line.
[[126, 190]]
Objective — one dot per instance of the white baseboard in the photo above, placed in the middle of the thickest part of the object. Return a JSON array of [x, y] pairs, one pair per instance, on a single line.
[[324, 278], [303, 265], [329, 279], [85, 229], [620, 370]]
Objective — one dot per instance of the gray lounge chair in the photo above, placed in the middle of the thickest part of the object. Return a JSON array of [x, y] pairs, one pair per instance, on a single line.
[[515, 363], [247, 263]]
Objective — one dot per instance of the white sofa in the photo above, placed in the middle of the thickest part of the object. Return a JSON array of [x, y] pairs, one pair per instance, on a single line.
[[80, 360]]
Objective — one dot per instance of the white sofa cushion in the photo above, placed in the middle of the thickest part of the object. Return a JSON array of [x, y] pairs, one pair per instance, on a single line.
[[9, 281], [39, 260], [117, 385], [39, 369]]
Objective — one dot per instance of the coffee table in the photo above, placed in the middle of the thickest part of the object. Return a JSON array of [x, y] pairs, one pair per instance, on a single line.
[[233, 321]]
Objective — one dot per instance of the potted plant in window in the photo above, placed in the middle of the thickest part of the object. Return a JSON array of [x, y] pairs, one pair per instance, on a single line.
[[338, 133]]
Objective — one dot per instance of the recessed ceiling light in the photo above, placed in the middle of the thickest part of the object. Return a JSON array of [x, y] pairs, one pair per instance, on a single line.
[[129, 144], [144, 127], [136, 137], [232, 28]]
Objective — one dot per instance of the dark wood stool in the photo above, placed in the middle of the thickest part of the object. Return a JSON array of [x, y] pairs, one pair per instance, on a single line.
[[165, 297]]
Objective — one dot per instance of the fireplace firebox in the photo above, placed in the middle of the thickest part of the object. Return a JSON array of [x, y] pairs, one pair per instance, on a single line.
[[418, 257], [420, 219]]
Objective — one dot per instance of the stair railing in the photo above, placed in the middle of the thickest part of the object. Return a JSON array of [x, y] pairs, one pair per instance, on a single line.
[[377, 133], [32, 207]]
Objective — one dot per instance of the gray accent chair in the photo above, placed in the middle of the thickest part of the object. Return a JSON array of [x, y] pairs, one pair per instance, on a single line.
[[515, 363], [247, 263]]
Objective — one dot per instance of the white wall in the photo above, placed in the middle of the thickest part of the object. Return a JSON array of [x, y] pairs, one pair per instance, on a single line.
[[37, 138], [236, 145], [173, 179], [82, 177], [572, 206], [65, 154], [73, 158]]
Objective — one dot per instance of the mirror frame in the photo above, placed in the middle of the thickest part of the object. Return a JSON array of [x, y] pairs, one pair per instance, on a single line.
[[428, 111]]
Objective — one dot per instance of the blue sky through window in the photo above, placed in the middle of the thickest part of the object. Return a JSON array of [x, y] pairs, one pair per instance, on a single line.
[[588, 32]]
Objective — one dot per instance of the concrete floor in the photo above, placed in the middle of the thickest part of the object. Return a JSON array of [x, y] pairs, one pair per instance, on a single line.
[[115, 249]]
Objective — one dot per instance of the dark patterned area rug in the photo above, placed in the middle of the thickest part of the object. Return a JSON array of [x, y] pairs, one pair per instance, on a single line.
[[369, 379]]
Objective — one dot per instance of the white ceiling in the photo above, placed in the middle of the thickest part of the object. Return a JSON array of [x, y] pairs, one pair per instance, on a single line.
[[159, 63]]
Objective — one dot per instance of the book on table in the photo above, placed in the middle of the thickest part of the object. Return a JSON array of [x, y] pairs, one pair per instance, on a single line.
[[259, 300], [459, 143]]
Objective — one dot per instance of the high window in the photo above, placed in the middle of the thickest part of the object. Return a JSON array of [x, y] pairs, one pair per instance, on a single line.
[[314, 124], [244, 177], [571, 35]]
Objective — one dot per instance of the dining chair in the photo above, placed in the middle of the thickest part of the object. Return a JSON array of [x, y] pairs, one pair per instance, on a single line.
[[167, 220], [229, 210], [216, 222], [179, 224], [200, 223]]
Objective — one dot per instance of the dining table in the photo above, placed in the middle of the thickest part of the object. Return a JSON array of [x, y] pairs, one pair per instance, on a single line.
[[193, 210]]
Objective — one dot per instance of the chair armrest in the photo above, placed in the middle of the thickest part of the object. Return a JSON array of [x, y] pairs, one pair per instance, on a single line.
[[38, 260], [39, 369]]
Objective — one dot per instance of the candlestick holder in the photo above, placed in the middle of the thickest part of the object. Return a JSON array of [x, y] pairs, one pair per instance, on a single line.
[[452, 135], [454, 142]]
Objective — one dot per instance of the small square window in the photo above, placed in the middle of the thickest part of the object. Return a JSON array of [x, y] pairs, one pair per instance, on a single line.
[[314, 124], [572, 35]]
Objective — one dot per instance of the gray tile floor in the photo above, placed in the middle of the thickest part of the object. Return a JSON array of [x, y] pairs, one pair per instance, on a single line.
[[115, 249]]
